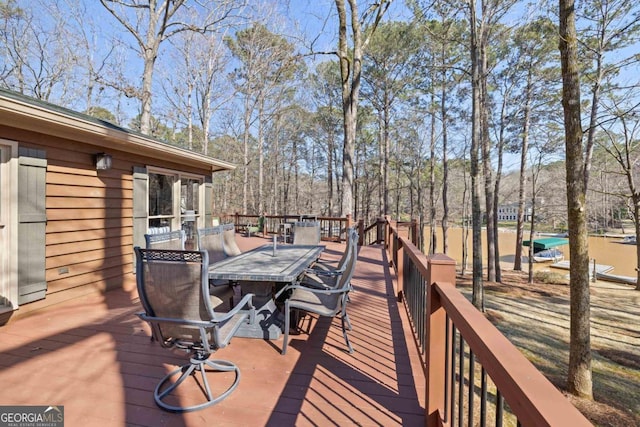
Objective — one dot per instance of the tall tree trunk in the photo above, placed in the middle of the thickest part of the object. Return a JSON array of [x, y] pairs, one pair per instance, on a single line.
[[150, 56], [261, 121], [535, 171], [445, 163], [579, 380], [465, 220], [385, 158], [381, 165], [636, 223], [496, 201], [517, 264], [432, 179], [350, 70], [206, 121], [276, 162], [245, 177], [330, 155], [476, 214], [487, 168]]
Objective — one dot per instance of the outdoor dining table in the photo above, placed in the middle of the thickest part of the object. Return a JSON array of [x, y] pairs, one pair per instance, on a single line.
[[262, 267]]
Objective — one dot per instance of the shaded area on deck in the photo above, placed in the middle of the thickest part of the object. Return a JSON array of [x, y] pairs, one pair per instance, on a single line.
[[94, 356]]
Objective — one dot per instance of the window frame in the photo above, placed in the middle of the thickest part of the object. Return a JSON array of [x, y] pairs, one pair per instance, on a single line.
[[176, 218], [9, 221]]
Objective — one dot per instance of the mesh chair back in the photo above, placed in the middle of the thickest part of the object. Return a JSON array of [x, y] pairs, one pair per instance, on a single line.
[[211, 240], [168, 240], [344, 281], [335, 302], [306, 233], [173, 285], [229, 236], [352, 236]]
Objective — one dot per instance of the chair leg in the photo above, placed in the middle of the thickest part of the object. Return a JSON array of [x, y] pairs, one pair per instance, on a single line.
[[348, 322], [286, 327], [345, 321], [197, 363]]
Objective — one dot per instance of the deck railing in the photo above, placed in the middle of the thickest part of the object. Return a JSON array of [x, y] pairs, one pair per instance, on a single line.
[[374, 233], [474, 375], [331, 228]]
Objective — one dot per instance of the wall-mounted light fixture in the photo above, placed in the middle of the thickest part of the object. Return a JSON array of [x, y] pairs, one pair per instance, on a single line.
[[103, 161]]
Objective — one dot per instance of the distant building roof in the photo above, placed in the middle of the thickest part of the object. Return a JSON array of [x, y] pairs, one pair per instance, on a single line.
[[23, 112]]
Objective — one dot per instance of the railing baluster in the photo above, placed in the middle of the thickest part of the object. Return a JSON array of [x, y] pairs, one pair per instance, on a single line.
[[423, 310], [447, 339], [471, 385], [483, 397], [499, 408], [453, 373], [461, 382]]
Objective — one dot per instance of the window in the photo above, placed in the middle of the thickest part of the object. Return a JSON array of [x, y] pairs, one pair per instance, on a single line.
[[189, 196], [161, 213], [174, 203]]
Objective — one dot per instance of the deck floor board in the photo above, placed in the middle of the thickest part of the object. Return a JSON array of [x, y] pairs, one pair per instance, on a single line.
[[94, 356]]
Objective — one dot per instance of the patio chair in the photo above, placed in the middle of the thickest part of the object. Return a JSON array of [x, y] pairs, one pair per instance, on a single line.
[[306, 233], [324, 274], [166, 240], [211, 240], [229, 237], [323, 302], [174, 294]]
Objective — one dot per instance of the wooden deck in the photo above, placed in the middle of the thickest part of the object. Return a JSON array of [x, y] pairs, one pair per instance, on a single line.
[[94, 356]]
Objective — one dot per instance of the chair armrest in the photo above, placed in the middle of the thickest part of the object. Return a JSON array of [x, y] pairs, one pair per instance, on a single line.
[[246, 300], [331, 273], [313, 290], [328, 261], [153, 319]]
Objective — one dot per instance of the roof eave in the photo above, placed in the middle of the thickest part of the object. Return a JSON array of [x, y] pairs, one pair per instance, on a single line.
[[30, 116]]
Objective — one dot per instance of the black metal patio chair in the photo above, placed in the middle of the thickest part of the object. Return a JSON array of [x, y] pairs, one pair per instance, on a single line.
[[174, 293], [326, 302]]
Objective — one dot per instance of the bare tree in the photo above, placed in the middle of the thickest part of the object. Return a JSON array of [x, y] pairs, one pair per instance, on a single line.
[[476, 214], [37, 58], [350, 72], [622, 143], [267, 63], [195, 75], [151, 22], [579, 374]]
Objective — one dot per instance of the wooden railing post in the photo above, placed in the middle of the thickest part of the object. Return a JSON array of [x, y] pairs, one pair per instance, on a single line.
[[399, 268], [387, 234], [442, 269], [360, 232], [413, 232], [380, 230], [349, 223]]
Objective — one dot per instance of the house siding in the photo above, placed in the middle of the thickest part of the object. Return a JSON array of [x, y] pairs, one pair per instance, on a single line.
[[89, 228]]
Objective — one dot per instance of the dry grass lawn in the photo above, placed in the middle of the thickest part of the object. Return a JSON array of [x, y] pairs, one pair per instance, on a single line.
[[536, 319]]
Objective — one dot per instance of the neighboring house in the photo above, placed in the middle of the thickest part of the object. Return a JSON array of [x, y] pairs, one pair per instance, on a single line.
[[509, 212], [77, 194]]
